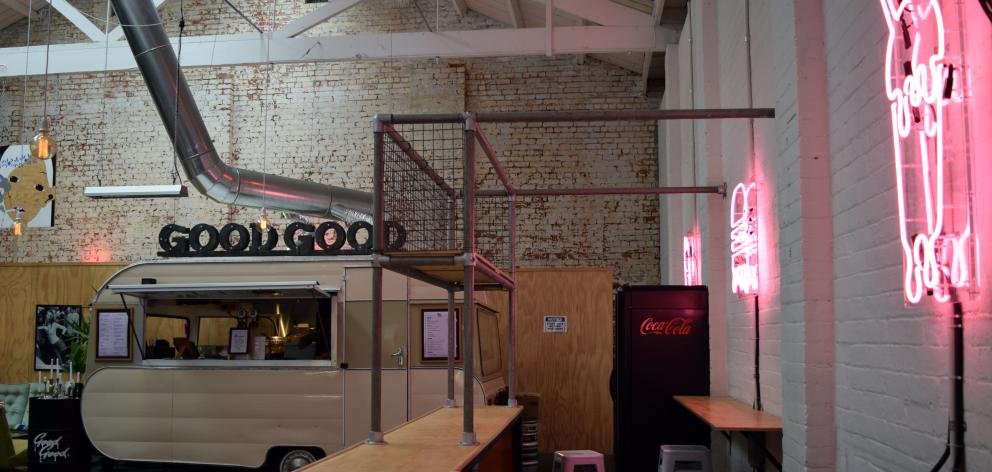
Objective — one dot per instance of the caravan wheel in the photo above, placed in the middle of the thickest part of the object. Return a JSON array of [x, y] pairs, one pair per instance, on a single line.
[[294, 459]]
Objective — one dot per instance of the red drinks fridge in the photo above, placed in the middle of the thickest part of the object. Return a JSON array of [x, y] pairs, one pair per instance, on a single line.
[[662, 350]]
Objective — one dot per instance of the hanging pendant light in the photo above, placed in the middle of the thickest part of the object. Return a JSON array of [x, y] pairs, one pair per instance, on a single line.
[[19, 222], [263, 221], [43, 146]]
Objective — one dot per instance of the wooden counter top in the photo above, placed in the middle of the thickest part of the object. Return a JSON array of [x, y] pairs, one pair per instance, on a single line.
[[428, 443], [727, 414]]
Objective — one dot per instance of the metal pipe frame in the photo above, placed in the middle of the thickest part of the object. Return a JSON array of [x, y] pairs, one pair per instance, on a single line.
[[376, 435], [450, 401], [496, 276], [491, 154], [511, 381], [418, 275], [422, 163], [421, 260], [559, 192], [468, 324], [577, 116]]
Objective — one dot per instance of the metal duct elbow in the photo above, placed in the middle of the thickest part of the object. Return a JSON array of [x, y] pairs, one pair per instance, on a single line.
[[209, 174]]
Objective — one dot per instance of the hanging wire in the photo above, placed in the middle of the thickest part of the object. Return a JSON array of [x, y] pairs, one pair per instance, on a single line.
[[24, 90], [422, 17], [175, 115], [103, 93], [48, 45], [265, 102]]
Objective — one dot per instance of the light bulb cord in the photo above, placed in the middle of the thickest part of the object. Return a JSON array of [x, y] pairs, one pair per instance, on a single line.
[[48, 45], [175, 115], [265, 102]]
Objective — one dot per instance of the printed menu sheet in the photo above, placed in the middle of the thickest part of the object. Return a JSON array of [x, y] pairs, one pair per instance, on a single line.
[[113, 339], [436, 334]]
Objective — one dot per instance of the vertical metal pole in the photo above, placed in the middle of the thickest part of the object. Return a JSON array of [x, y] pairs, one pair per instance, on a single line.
[[450, 401], [468, 313], [375, 432], [511, 400]]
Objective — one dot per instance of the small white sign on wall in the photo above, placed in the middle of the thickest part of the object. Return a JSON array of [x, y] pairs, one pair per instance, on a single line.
[[556, 324]]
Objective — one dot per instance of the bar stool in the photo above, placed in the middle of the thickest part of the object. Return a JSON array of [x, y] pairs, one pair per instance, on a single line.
[[676, 458], [578, 461]]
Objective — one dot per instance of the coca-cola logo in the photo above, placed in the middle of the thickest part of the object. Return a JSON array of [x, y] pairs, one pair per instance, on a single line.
[[680, 326]]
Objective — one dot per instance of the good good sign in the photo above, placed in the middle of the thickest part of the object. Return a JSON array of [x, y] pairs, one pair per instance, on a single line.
[[300, 240]]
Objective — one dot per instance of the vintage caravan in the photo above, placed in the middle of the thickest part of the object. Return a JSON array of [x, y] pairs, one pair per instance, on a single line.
[[252, 361]]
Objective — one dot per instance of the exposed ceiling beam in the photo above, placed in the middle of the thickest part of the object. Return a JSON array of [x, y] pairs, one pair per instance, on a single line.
[[250, 48], [516, 15], [310, 20], [78, 19], [20, 6], [460, 6], [117, 33], [656, 12], [602, 12]]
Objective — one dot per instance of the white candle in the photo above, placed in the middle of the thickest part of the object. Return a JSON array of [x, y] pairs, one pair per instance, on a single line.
[[70, 369]]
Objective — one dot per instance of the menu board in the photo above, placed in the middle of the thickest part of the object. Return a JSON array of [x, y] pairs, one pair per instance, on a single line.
[[238, 342], [435, 329], [112, 334]]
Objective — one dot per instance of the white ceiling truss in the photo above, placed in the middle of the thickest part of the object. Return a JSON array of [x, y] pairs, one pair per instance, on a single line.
[[598, 27]]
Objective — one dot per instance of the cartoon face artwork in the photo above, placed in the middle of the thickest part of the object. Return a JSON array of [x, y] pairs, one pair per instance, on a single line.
[[29, 190], [916, 74]]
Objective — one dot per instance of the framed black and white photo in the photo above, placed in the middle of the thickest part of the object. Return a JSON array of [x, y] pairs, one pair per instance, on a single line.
[[113, 335], [56, 329]]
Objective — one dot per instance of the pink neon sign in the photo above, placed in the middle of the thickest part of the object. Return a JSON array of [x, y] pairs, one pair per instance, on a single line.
[[744, 240], [690, 259], [933, 258]]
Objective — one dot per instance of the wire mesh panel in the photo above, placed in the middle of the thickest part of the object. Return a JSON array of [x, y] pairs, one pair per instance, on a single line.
[[492, 230], [422, 178]]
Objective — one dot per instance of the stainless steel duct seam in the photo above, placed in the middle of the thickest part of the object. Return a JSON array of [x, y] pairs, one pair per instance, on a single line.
[[209, 174]]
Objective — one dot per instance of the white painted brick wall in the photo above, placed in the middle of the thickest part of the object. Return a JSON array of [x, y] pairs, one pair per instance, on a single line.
[[320, 128], [892, 362]]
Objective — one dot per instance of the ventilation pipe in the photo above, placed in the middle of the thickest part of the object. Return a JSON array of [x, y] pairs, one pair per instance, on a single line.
[[204, 168]]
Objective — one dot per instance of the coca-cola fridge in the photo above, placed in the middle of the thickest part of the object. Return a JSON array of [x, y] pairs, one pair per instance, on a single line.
[[662, 350]]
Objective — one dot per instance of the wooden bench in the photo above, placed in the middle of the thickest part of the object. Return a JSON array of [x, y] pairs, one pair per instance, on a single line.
[[728, 415], [430, 443]]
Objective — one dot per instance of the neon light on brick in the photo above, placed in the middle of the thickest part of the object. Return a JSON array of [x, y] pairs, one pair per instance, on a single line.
[[932, 259], [744, 240]]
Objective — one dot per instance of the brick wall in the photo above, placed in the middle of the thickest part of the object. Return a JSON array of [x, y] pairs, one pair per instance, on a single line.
[[861, 380], [893, 361], [319, 128]]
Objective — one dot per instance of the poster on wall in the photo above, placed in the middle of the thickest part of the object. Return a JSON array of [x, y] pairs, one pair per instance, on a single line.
[[27, 188], [56, 330]]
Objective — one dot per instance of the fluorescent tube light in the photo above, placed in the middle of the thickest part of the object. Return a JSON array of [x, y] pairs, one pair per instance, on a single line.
[[137, 191]]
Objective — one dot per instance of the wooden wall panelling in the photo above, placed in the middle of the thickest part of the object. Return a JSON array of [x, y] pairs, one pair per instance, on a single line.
[[570, 371], [27, 285]]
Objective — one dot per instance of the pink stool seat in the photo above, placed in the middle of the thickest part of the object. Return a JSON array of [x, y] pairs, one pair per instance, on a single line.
[[578, 461]]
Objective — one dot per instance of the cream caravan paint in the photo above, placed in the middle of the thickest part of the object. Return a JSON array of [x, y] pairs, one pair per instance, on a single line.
[[233, 412]]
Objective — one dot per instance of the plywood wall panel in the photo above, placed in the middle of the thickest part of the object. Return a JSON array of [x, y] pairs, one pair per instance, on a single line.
[[570, 371], [27, 285]]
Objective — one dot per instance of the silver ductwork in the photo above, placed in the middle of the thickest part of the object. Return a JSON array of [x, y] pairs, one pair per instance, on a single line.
[[203, 166]]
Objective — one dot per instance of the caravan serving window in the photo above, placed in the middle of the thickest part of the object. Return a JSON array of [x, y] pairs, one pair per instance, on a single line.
[[278, 330], [161, 335]]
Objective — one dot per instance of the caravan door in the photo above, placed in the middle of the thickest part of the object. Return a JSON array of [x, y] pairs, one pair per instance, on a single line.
[[357, 351]]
